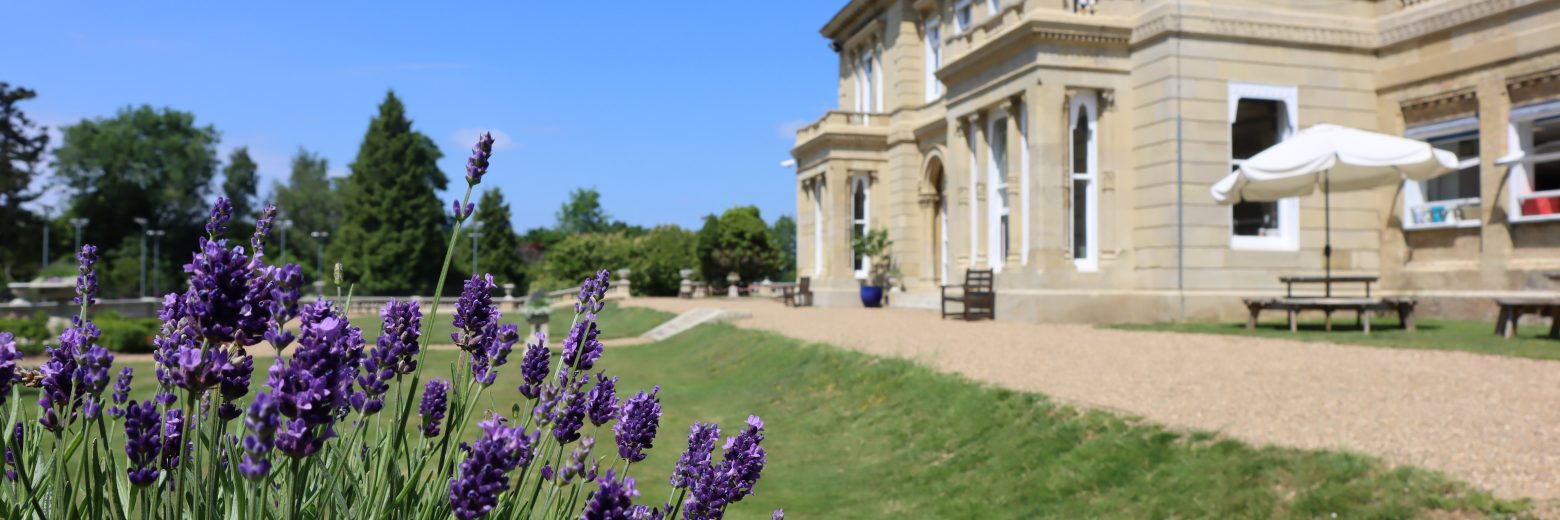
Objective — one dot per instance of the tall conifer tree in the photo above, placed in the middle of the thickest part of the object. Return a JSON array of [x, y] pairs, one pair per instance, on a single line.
[[393, 231]]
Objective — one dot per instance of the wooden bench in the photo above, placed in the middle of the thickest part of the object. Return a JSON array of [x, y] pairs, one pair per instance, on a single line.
[[1363, 308], [800, 295], [1512, 309], [977, 297]]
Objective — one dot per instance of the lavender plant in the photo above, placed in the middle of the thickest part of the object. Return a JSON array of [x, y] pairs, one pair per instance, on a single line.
[[329, 433]]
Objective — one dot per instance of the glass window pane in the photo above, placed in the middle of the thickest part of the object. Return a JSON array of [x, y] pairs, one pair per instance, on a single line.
[[1546, 176], [1546, 136], [1080, 141], [1256, 219], [1080, 204], [1257, 126], [858, 209]]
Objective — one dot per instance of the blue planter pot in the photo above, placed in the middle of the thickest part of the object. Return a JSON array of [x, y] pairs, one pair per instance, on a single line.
[[871, 296]]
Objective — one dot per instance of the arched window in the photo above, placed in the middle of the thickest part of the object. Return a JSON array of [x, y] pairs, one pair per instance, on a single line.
[[1083, 114], [859, 199]]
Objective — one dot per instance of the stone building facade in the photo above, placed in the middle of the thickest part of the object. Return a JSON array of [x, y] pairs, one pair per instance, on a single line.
[[1069, 145]]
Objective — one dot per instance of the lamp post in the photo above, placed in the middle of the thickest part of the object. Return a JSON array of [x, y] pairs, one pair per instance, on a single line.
[[284, 224], [476, 231], [319, 252], [156, 235], [47, 213], [78, 222], [141, 291]]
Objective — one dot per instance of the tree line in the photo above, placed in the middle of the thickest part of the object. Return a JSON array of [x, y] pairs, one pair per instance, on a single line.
[[139, 182]]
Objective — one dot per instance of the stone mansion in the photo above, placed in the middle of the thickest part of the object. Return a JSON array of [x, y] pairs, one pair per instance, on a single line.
[[1069, 145]]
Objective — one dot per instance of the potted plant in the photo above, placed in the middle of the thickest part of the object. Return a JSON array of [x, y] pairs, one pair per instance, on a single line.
[[537, 312], [874, 246]]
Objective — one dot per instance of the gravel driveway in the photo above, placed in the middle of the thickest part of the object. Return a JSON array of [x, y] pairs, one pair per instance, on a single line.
[[1492, 421]]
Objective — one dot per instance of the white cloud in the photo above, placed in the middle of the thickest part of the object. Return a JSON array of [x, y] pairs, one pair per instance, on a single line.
[[467, 137]]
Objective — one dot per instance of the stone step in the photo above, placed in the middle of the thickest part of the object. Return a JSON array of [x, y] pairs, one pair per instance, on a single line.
[[690, 319]]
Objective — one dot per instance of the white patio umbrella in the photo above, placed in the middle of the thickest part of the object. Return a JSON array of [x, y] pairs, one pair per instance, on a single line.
[[1335, 158]]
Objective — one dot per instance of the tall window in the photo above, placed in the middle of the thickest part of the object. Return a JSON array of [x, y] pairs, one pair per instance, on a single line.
[[993, 5], [866, 83], [962, 15], [997, 181], [933, 59], [859, 199], [1446, 200], [1083, 115], [1535, 180], [1260, 117]]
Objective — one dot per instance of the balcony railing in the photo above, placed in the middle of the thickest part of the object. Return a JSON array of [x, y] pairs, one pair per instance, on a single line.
[[840, 120]]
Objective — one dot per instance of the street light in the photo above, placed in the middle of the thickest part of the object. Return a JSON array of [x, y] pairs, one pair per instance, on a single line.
[[78, 222], [48, 212], [141, 292], [284, 224], [156, 235], [476, 231], [319, 252]]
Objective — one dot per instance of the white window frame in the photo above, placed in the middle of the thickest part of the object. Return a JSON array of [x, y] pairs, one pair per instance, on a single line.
[[1023, 182], [1288, 238], [862, 183], [997, 190], [1520, 155], [963, 15], [1414, 191], [992, 6], [942, 235], [932, 58], [817, 194], [1089, 101], [970, 141], [877, 80]]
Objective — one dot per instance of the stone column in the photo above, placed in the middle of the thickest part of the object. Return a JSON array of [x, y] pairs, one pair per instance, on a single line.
[[1015, 169], [957, 176], [1496, 244], [1043, 154], [836, 231], [978, 185]]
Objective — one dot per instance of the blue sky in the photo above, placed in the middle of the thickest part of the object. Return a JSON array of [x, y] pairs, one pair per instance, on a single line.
[[672, 109]]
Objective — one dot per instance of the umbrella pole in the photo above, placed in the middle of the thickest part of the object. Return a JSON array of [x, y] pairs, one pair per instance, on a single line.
[[1327, 224]]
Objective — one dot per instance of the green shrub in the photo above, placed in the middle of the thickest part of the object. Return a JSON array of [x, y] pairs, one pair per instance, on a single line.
[[31, 333], [128, 335], [737, 242], [658, 257], [577, 256]]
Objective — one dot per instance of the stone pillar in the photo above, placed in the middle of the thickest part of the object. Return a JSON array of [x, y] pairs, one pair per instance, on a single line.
[[1015, 169], [978, 187], [1496, 244], [836, 231], [956, 174], [1043, 154]]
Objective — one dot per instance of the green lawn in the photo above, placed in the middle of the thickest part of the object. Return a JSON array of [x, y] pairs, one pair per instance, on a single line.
[[1467, 336], [853, 436], [614, 322]]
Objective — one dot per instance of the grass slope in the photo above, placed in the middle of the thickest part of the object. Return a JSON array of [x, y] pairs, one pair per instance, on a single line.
[[852, 436], [615, 322], [1467, 336]]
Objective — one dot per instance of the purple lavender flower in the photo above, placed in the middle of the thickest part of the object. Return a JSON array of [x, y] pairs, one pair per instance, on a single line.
[[142, 423], [646, 513], [570, 416], [402, 328], [779, 514], [8, 357], [86, 277], [234, 297], [121, 392], [637, 421], [484, 362], [216, 225], [533, 367], [172, 439], [613, 500], [262, 229], [74, 376], [475, 314], [261, 422], [234, 374], [312, 389], [484, 475], [603, 401], [10, 456], [477, 164], [576, 463], [593, 293], [696, 460], [461, 214], [435, 400], [581, 348]]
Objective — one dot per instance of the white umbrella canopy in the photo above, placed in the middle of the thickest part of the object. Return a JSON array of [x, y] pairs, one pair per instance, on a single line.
[[1337, 158], [1345, 159]]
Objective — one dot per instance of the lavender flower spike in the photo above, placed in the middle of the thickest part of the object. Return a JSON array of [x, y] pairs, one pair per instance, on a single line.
[[86, 277], [121, 391], [602, 401], [477, 164], [216, 225], [262, 228], [8, 357], [779, 514], [261, 422], [435, 401], [613, 500], [695, 461], [141, 442], [637, 422], [533, 368], [484, 475]]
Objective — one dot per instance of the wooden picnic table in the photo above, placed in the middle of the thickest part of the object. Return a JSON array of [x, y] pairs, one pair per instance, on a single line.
[[1290, 281]]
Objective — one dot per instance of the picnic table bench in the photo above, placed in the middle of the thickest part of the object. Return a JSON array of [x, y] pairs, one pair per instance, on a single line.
[[1363, 307], [1512, 310]]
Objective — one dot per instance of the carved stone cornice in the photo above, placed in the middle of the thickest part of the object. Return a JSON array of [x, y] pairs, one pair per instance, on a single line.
[[1432, 17], [1534, 87], [1440, 106], [1318, 34]]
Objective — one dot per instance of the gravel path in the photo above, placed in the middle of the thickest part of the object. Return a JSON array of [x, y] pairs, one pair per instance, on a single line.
[[1492, 421]]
